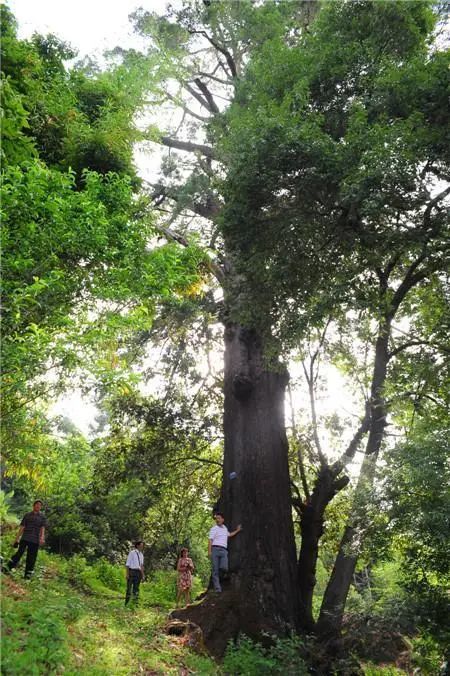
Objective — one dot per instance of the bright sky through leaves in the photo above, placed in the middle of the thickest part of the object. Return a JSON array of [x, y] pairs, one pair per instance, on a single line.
[[92, 27]]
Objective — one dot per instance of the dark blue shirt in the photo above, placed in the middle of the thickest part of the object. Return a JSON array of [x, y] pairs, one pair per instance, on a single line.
[[32, 523]]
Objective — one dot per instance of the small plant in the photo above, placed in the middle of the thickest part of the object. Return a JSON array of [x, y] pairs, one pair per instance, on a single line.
[[248, 658], [427, 656], [161, 590], [111, 576]]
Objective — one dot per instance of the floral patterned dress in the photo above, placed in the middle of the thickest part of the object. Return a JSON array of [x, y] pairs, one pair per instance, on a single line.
[[185, 568]]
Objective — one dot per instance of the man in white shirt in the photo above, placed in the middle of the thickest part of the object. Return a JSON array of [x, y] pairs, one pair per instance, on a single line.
[[218, 548], [135, 571]]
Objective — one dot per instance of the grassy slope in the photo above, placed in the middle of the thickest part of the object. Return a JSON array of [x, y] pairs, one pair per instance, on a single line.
[[53, 625], [71, 619]]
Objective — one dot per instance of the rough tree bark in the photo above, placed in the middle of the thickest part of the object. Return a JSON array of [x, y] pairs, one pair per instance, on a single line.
[[262, 592], [263, 556]]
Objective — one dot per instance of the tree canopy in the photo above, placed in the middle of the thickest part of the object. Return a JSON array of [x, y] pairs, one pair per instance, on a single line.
[[297, 221]]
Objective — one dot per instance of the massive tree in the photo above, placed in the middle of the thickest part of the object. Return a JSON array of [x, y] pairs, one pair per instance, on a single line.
[[312, 168], [201, 52], [345, 165]]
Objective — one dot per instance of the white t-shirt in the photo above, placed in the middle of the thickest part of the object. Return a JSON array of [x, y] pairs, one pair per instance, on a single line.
[[219, 536], [135, 560]]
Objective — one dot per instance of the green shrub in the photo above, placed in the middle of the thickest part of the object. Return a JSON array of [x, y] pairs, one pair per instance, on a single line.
[[5, 507], [161, 589], [111, 576], [76, 569], [374, 670], [248, 658], [29, 653], [427, 655]]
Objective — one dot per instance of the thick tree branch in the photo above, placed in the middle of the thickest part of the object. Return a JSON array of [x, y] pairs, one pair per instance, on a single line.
[[203, 102], [172, 235], [212, 106], [417, 343], [186, 109], [215, 269], [208, 209], [434, 202], [187, 146], [211, 76]]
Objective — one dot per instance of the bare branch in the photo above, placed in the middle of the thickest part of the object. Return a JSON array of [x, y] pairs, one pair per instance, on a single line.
[[197, 96], [312, 400], [212, 106], [186, 109], [211, 76], [187, 146], [229, 59]]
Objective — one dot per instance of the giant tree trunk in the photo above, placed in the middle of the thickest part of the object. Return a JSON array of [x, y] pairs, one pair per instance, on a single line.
[[262, 592], [263, 556]]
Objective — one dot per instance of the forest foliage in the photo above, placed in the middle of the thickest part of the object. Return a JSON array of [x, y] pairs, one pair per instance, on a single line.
[[303, 193]]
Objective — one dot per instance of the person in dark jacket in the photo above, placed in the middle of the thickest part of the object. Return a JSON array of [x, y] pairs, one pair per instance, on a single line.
[[30, 537]]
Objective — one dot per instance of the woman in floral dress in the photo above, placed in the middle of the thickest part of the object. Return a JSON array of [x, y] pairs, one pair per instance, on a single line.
[[185, 568]]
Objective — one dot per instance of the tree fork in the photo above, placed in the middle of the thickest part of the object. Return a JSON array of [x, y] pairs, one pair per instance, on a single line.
[[312, 513]]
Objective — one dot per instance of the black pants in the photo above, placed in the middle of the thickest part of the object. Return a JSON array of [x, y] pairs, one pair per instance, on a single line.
[[133, 582], [32, 552]]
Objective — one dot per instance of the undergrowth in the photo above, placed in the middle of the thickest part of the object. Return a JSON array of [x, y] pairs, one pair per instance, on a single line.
[[70, 618]]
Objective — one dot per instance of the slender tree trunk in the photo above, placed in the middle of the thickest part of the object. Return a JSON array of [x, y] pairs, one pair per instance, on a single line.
[[333, 604], [311, 526], [256, 487]]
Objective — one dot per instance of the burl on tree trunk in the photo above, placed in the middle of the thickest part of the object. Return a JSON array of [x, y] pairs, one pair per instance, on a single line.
[[261, 594]]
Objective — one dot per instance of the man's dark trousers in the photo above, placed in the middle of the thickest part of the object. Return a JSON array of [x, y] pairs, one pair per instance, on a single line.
[[32, 552], [133, 582]]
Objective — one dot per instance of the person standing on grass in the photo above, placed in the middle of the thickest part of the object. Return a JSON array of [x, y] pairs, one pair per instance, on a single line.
[[30, 537], [185, 568], [135, 571], [218, 548]]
